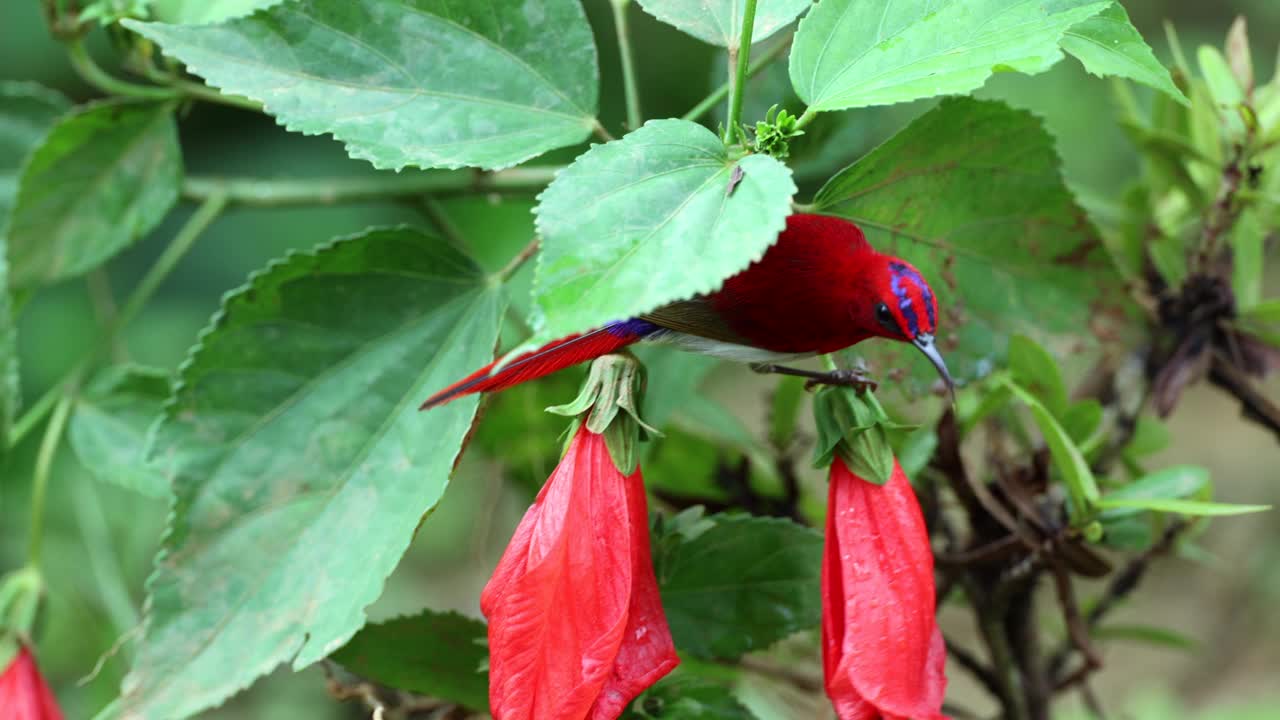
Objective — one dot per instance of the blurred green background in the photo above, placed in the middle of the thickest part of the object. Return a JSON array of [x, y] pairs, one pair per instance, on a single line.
[[102, 539]]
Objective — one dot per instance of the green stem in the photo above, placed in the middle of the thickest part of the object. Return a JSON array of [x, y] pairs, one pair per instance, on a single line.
[[328, 191], [518, 261], [196, 90], [630, 88], [720, 93], [806, 117], [99, 78], [160, 269], [737, 91], [44, 466]]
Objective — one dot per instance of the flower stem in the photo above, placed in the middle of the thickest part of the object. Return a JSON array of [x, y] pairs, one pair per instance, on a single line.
[[518, 261], [630, 88], [738, 86], [720, 93]]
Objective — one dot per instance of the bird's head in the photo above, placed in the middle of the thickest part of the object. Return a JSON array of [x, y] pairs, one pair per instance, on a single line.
[[904, 308]]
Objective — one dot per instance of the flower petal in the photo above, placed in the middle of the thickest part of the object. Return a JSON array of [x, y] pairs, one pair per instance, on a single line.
[[881, 643], [647, 652], [24, 695], [576, 627]]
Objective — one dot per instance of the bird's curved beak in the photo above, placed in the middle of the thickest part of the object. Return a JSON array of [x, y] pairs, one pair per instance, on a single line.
[[925, 342]]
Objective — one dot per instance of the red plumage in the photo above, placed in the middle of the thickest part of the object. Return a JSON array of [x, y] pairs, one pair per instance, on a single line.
[[532, 365], [820, 288]]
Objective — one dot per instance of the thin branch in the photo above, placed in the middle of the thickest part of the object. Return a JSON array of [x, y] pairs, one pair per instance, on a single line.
[[330, 191], [93, 74], [739, 85], [1254, 406], [630, 88], [718, 95], [518, 261], [974, 666]]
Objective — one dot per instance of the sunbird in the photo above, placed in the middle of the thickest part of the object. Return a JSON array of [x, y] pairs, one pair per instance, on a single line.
[[820, 288]]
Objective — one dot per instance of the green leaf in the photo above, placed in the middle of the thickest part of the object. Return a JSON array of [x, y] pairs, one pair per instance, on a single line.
[[1082, 419], [649, 219], [440, 654], [1109, 44], [300, 463], [1181, 507], [1082, 487], [428, 83], [1035, 369], [719, 22], [200, 12], [1223, 86], [916, 449], [1266, 311], [1001, 240], [27, 111], [683, 696], [109, 428], [1147, 635], [850, 54], [741, 585], [1248, 261], [1181, 481], [105, 175]]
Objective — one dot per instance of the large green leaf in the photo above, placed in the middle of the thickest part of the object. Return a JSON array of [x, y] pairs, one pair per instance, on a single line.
[[856, 53], [648, 219], [740, 585], [195, 12], [1108, 44], [430, 83], [441, 654], [719, 22], [109, 428], [299, 460], [971, 193], [27, 111], [104, 177]]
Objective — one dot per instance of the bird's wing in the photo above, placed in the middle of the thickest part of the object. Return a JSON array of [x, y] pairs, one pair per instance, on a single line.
[[697, 317]]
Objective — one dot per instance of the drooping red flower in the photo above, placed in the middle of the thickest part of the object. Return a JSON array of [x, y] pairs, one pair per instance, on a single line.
[[882, 651], [576, 627], [24, 695]]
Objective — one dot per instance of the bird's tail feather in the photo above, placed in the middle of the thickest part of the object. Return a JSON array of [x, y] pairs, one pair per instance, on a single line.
[[536, 363]]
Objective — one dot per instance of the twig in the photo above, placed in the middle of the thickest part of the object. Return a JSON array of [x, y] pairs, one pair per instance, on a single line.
[[737, 89], [1254, 406], [1122, 583], [518, 261]]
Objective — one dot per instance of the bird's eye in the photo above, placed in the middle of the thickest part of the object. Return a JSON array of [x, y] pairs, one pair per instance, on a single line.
[[884, 317]]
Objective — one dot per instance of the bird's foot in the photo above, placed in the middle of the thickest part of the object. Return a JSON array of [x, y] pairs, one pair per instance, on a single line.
[[851, 378]]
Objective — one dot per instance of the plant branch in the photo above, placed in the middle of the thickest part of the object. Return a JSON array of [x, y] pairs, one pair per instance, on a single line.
[[707, 103], [1253, 405], [738, 86], [44, 466], [329, 191], [93, 74], [630, 88], [160, 269], [518, 261]]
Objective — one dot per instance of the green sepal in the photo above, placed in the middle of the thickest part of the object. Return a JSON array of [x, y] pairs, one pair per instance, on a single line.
[[855, 425], [615, 383], [8, 648], [20, 593]]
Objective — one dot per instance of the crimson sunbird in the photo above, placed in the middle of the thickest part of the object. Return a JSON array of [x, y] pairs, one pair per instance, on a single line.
[[820, 288]]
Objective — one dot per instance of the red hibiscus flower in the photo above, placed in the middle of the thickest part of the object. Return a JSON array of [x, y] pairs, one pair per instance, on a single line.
[[576, 627], [24, 695], [882, 651]]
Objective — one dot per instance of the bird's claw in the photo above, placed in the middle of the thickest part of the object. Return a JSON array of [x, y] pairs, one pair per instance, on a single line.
[[848, 377]]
